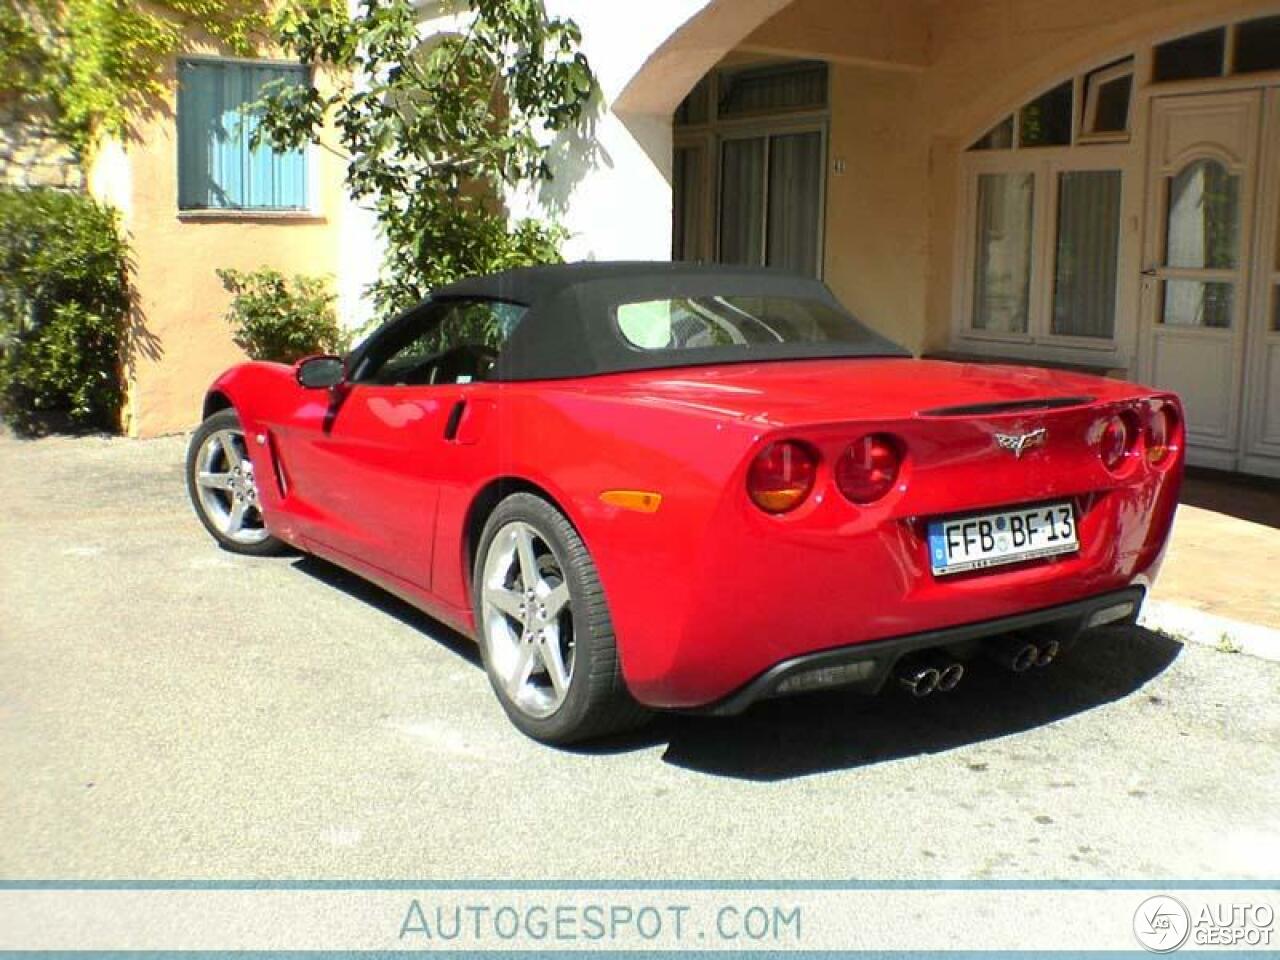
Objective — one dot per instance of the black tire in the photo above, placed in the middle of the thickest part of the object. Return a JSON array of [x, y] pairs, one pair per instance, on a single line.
[[596, 702], [223, 420]]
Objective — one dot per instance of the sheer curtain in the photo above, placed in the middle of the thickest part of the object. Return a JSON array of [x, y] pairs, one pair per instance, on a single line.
[[1002, 267], [1204, 217], [795, 176], [1203, 231], [686, 204], [742, 201], [795, 86], [1084, 293]]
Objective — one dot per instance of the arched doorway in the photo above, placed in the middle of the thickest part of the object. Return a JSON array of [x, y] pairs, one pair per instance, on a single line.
[[1126, 219]]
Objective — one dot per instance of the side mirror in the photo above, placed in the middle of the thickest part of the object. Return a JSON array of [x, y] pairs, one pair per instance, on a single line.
[[320, 372]]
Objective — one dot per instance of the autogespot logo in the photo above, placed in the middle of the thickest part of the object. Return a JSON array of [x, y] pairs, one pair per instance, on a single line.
[[1161, 924]]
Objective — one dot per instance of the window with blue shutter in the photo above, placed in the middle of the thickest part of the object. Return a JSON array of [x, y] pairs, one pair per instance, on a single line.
[[216, 168]]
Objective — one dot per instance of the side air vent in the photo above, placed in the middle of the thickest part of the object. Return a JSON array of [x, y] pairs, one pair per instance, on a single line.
[[455, 419], [1011, 406], [277, 466]]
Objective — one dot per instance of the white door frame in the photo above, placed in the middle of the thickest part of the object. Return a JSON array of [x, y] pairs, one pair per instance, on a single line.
[[1261, 430], [1220, 447]]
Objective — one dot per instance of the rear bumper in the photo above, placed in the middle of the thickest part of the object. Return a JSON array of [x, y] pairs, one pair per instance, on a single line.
[[864, 667], [757, 591]]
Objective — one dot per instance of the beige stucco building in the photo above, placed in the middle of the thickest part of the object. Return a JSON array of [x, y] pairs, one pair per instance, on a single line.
[[194, 198], [1094, 184]]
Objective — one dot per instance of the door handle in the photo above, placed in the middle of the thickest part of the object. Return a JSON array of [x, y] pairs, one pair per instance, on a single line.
[[1150, 272]]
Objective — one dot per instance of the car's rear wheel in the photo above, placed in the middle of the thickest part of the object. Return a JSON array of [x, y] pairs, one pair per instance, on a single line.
[[545, 633], [223, 488]]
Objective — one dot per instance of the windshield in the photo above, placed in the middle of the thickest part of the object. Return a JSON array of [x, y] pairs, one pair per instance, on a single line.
[[744, 322]]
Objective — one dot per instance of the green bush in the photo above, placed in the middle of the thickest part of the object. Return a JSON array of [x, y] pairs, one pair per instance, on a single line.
[[64, 306], [273, 318]]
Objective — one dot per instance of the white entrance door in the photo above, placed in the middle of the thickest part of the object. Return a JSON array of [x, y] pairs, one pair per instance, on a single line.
[[1262, 369], [1198, 250]]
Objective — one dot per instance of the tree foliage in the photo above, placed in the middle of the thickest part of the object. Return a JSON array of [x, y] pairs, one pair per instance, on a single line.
[[437, 132], [100, 63]]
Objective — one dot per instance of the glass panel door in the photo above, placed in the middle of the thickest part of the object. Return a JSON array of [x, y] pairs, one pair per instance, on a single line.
[[770, 211]]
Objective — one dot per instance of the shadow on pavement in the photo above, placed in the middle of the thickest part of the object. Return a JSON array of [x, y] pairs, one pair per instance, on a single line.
[[356, 586], [817, 733], [1256, 499], [780, 739]]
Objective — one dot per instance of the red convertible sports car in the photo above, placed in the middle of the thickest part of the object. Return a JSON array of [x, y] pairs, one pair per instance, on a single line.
[[681, 487]]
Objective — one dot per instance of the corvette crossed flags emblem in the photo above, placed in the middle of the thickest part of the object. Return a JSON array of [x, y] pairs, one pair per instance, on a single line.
[[1019, 443]]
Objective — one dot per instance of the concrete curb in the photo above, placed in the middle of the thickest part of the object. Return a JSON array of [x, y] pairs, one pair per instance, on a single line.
[[1210, 630]]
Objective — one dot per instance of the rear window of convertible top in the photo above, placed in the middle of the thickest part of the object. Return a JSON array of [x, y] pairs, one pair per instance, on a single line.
[[719, 322]]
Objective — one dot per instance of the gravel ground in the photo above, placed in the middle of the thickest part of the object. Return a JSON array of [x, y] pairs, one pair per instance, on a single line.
[[168, 710]]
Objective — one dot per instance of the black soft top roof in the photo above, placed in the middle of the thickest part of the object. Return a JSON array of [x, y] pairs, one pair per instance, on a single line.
[[569, 329]]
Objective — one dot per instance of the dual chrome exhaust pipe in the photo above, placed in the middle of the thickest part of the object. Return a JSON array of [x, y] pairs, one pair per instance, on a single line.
[[941, 674], [922, 680], [1020, 655]]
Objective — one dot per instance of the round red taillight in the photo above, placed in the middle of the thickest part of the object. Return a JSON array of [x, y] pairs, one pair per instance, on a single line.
[[1162, 429], [866, 471], [782, 475], [1116, 442]]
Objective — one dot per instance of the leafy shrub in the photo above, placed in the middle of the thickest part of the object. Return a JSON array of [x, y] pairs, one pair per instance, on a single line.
[[64, 306], [273, 318]]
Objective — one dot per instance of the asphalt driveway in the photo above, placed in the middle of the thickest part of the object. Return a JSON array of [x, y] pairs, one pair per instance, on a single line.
[[168, 710]]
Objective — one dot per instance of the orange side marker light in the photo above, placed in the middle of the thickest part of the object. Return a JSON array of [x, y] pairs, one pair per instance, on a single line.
[[642, 501]]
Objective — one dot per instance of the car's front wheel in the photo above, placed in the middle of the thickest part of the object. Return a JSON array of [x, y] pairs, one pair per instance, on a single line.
[[223, 488], [545, 633]]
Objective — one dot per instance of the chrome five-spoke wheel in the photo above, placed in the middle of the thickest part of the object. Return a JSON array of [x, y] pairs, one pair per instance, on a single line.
[[528, 621], [228, 493], [544, 628], [223, 488]]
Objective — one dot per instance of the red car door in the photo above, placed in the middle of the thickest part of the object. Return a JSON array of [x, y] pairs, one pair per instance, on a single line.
[[366, 472], [364, 461]]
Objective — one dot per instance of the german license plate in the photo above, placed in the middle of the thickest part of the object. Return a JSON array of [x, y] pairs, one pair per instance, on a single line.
[[1008, 536]]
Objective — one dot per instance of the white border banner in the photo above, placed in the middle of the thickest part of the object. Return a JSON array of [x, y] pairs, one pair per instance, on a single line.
[[637, 919]]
